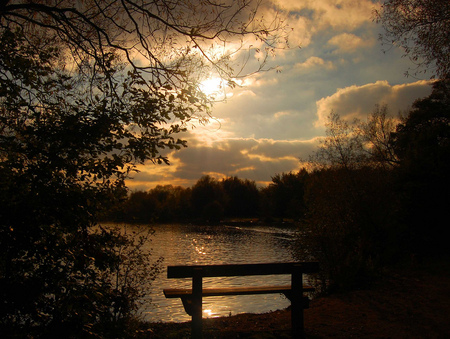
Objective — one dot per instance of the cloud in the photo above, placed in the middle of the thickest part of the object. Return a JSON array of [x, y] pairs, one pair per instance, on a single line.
[[349, 43], [209, 132], [284, 149], [312, 63], [344, 14], [151, 175], [301, 33], [359, 101], [290, 135], [254, 159]]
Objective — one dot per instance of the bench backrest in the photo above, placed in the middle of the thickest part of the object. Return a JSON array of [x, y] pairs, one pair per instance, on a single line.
[[187, 271]]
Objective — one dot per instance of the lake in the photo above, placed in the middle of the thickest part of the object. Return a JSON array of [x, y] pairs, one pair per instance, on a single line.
[[189, 244]]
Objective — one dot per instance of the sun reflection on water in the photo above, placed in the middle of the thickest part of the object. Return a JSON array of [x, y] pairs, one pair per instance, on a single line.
[[199, 248], [208, 313]]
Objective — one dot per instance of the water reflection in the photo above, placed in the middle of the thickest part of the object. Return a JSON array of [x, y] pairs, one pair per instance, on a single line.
[[187, 244]]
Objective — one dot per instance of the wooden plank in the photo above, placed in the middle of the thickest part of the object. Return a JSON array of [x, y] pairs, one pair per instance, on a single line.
[[210, 292], [187, 271]]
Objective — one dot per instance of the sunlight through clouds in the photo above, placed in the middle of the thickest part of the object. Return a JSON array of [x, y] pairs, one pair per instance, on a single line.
[[212, 86], [272, 119]]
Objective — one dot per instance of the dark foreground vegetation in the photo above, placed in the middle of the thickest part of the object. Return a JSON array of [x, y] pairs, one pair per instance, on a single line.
[[88, 91]]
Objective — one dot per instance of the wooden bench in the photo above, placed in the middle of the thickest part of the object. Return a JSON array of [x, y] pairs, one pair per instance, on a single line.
[[192, 298]]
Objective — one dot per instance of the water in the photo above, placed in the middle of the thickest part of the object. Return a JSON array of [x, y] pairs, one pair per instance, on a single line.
[[187, 244]]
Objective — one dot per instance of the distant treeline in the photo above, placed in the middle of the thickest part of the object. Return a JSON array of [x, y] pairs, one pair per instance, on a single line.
[[211, 200], [375, 192]]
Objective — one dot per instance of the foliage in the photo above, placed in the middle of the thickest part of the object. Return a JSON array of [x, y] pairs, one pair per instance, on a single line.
[[380, 193], [241, 197], [284, 197], [357, 144], [349, 200], [171, 45], [161, 204], [88, 90], [208, 200], [348, 226], [207, 196], [57, 172], [422, 29], [132, 276], [376, 134], [231, 197], [343, 146], [422, 145]]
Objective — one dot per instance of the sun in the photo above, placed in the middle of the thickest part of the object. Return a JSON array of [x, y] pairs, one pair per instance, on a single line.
[[212, 86]]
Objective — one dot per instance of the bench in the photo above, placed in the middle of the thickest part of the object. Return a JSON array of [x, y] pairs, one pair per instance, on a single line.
[[192, 297]]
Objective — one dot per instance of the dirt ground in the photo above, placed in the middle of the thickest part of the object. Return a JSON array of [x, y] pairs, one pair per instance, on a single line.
[[412, 303]]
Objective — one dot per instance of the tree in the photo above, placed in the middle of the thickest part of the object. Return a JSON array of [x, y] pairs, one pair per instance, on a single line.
[[357, 144], [141, 207], [380, 193], [422, 29], [58, 172], [162, 41], [349, 198], [285, 195], [422, 145], [207, 199], [161, 204], [376, 135], [88, 90], [173, 203], [241, 197], [343, 146]]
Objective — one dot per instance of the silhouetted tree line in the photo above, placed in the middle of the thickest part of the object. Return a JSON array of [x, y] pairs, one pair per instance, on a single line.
[[209, 200]]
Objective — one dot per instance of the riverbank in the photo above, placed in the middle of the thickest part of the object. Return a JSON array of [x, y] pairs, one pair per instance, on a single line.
[[406, 303]]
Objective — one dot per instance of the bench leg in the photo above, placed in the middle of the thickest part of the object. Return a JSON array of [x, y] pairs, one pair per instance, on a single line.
[[196, 330], [297, 321]]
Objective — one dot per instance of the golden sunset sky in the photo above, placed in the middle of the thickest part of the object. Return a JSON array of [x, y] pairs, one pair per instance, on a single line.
[[274, 118]]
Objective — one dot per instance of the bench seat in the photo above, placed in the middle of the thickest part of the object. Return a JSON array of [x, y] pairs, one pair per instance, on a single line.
[[186, 293], [212, 292]]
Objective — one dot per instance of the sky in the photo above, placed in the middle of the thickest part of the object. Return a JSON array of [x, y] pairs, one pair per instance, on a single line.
[[274, 119]]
